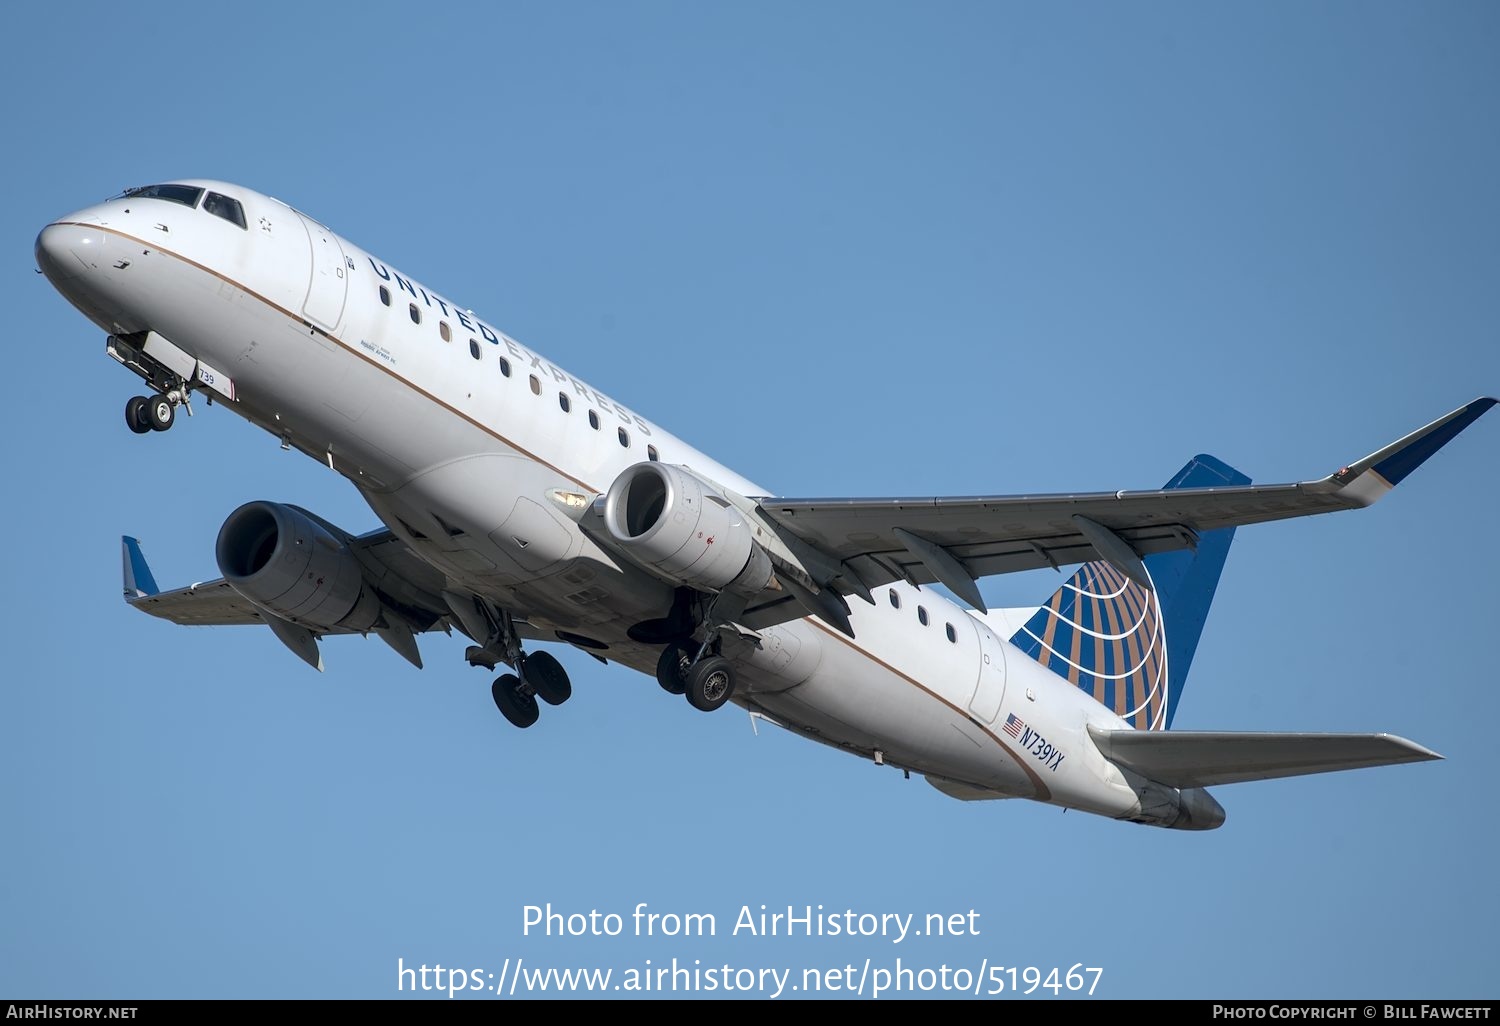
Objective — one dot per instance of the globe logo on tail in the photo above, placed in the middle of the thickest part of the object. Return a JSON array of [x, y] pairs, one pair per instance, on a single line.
[[1104, 634]]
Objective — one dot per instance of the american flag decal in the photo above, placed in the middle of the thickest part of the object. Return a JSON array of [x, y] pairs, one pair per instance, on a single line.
[[1013, 725]]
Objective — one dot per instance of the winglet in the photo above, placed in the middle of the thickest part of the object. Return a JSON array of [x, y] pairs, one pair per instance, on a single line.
[[1369, 479], [138, 580]]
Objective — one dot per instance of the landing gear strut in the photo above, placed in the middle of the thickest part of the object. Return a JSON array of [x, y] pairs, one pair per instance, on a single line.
[[538, 675]]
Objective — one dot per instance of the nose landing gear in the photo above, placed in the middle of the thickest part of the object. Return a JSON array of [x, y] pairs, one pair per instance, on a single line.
[[169, 372], [157, 413]]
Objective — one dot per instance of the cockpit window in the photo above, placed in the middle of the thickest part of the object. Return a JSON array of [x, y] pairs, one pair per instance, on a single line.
[[187, 195], [222, 206]]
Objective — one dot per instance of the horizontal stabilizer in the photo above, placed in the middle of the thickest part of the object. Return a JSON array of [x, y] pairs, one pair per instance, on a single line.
[[1204, 758]]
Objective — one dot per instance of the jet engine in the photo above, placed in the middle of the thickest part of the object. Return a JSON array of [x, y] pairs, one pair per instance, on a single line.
[[677, 525], [284, 561]]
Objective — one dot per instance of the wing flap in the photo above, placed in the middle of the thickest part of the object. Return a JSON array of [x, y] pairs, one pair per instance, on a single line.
[[1206, 758]]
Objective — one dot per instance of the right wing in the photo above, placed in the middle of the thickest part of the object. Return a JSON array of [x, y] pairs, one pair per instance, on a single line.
[[869, 542]]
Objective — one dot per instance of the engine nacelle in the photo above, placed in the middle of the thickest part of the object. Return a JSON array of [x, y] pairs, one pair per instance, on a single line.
[[285, 562], [676, 524]]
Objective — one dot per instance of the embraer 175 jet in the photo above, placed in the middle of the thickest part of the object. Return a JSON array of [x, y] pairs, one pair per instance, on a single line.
[[522, 505]]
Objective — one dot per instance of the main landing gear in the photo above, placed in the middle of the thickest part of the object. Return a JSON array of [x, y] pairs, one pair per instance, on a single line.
[[705, 677], [542, 676], [689, 667], [538, 675]]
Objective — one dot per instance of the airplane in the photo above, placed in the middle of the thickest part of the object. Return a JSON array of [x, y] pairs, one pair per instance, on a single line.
[[522, 506]]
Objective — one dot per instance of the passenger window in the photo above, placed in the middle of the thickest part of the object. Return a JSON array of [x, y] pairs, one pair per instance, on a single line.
[[220, 205], [651, 453], [562, 400], [504, 365], [593, 420], [473, 349], [625, 438], [536, 386], [385, 295], [416, 315], [952, 634], [447, 333], [922, 616], [895, 599]]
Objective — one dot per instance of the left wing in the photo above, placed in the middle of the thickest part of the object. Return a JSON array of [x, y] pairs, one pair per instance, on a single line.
[[404, 582], [956, 540], [411, 594]]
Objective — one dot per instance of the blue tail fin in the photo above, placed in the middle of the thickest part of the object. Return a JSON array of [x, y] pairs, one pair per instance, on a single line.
[[1126, 647]]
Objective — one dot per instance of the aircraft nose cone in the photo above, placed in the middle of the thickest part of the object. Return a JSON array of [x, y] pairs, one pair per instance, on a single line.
[[53, 257], [54, 253]]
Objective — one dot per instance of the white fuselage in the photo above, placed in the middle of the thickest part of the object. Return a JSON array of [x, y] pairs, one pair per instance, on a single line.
[[458, 454]]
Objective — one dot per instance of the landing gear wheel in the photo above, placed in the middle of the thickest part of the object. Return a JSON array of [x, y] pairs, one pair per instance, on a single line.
[[710, 683], [516, 706], [135, 415], [547, 678], [671, 669], [160, 412]]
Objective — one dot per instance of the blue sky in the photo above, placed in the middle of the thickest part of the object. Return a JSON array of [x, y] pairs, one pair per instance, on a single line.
[[845, 248]]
